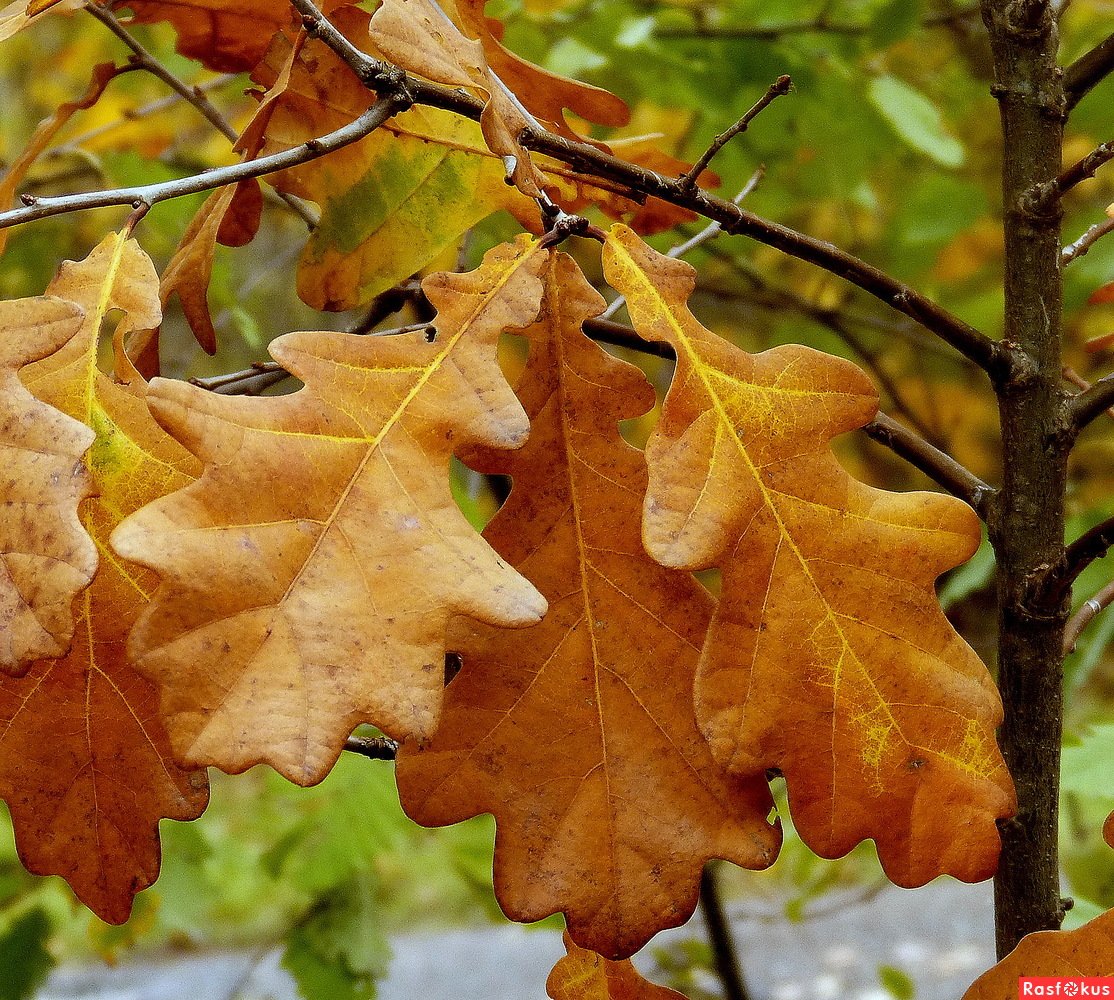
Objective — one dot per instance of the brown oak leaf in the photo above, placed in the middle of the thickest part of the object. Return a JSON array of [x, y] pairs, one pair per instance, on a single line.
[[828, 657], [579, 734], [48, 558], [85, 765], [586, 975], [309, 574]]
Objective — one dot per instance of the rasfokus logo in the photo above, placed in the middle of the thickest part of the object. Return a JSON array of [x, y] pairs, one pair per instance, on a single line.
[[1072, 987]]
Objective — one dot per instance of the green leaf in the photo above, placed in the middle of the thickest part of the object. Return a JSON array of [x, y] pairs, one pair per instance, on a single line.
[[339, 951], [915, 119], [24, 958], [894, 20], [896, 983]]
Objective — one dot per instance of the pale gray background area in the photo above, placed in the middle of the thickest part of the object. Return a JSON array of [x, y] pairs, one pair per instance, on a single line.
[[941, 936]]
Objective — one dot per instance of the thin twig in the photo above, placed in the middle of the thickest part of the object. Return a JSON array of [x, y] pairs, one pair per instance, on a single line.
[[1090, 69], [1073, 251], [817, 26], [1091, 403], [1085, 615], [724, 954], [956, 478], [193, 95], [781, 86], [1053, 586], [710, 231], [142, 57], [151, 194], [372, 747], [136, 114]]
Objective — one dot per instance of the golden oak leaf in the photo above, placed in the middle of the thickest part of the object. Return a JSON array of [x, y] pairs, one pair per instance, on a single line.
[[828, 656], [418, 36], [579, 734], [310, 572], [230, 216], [48, 558], [546, 95], [1086, 951], [391, 203], [85, 765], [1108, 830], [586, 975]]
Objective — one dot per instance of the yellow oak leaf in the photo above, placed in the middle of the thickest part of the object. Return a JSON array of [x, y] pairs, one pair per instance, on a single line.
[[48, 557], [828, 657], [85, 765], [309, 574], [586, 975], [579, 734]]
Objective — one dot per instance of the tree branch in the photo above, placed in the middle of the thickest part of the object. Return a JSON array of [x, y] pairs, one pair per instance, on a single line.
[[996, 358], [1091, 403], [1085, 615], [817, 26], [1091, 545], [151, 194], [372, 747], [934, 463], [1088, 71], [1073, 251], [719, 935], [1077, 173], [781, 86]]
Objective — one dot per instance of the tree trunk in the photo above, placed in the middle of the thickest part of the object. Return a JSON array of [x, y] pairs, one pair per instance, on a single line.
[[1027, 523]]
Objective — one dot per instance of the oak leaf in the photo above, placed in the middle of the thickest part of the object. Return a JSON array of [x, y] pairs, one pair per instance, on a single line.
[[84, 763], [546, 95], [1086, 951], [230, 216], [828, 657], [586, 975], [309, 574], [23, 13], [418, 36], [390, 203], [579, 734], [229, 36], [48, 557]]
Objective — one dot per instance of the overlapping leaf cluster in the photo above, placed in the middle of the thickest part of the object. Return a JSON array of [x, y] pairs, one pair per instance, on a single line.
[[198, 580]]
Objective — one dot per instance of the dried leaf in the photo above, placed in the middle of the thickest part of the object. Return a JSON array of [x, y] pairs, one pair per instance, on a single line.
[[418, 36], [309, 574], [229, 36], [579, 733], [546, 95], [828, 657], [48, 558], [391, 203], [84, 762], [1086, 951], [586, 975], [230, 216], [22, 13]]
